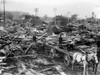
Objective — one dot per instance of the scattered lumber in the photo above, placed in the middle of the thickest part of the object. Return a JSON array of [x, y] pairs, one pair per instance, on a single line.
[[58, 68], [36, 72], [23, 56]]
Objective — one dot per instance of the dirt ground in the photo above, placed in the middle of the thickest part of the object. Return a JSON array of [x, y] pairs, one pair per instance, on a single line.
[[78, 70]]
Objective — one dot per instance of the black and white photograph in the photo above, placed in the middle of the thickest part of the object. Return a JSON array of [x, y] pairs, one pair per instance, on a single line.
[[49, 37]]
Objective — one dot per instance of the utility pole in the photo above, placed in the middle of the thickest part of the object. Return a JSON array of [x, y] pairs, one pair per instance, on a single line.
[[93, 17], [4, 10], [55, 10], [93, 14], [68, 16], [36, 11]]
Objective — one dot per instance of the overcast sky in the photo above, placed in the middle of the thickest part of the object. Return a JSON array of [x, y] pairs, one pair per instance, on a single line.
[[65, 7]]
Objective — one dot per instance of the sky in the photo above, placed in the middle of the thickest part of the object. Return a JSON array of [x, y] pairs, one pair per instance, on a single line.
[[63, 7]]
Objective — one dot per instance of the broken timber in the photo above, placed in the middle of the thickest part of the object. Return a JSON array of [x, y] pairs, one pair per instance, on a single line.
[[61, 50]]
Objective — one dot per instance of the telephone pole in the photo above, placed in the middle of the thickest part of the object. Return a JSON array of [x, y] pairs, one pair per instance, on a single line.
[[68, 16], [36, 11], [55, 10], [4, 10]]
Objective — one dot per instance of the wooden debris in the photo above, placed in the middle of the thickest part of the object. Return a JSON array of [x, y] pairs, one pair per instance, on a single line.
[[26, 51], [36, 72], [23, 56], [58, 68], [46, 69], [7, 74]]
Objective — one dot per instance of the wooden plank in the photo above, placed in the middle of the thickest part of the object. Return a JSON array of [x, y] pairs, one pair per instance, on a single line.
[[61, 50], [23, 56], [26, 51], [35, 72], [58, 68]]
